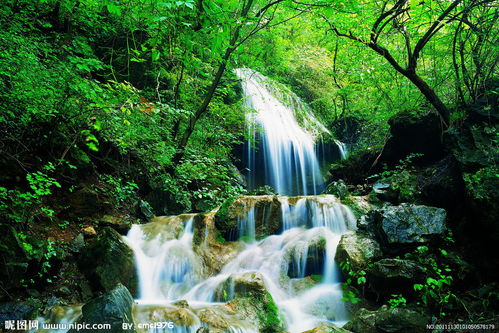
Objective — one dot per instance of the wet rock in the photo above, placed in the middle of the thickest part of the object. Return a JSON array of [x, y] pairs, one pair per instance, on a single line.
[[261, 311], [16, 311], [358, 249], [214, 251], [215, 317], [314, 264], [108, 261], [442, 185], [327, 329], [249, 284], [337, 188], [394, 276], [405, 224], [384, 320], [300, 285], [114, 308], [266, 211], [180, 314], [253, 302]]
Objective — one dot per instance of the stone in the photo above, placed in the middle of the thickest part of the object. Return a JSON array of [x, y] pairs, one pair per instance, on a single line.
[[301, 285], [359, 165], [89, 231], [406, 224], [266, 211], [119, 223], [384, 320], [314, 264], [113, 307], [358, 249], [253, 302], [394, 276], [108, 261], [216, 252]]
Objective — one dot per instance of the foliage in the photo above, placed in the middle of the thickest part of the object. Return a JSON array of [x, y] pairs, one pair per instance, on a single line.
[[355, 279], [402, 178], [436, 291], [483, 183], [121, 192], [396, 301]]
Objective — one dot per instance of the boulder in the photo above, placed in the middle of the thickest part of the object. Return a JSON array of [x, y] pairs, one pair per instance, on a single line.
[[359, 165], [214, 251], [265, 210], [249, 284], [119, 223], [413, 131], [89, 231], [405, 224], [144, 209], [260, 310], [108, 261], [254, 303], [314, 264], [386, 320], [77, 244], [114, 308], [394, 276], [358, 249]]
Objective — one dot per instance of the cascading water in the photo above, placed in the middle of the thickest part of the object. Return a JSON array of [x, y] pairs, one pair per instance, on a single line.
[[174, 280], [291, 165], [170, 270]]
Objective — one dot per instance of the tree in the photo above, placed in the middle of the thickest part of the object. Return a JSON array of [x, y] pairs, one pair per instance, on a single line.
[[251, 17], [405, 19]]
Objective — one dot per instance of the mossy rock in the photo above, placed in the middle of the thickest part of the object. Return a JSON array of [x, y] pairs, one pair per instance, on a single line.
[[113, 307], [109, 261], [398, 320]]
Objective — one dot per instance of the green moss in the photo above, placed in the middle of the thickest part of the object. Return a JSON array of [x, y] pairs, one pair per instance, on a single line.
[[269, 319], [223, 221], [316, 277]]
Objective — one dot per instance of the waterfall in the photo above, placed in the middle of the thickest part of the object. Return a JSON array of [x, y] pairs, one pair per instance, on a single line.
[[291, 165], [170, 270], [174, 281]]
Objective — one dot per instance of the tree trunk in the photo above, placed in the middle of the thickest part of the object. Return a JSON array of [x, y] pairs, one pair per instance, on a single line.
[[430, 95]]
